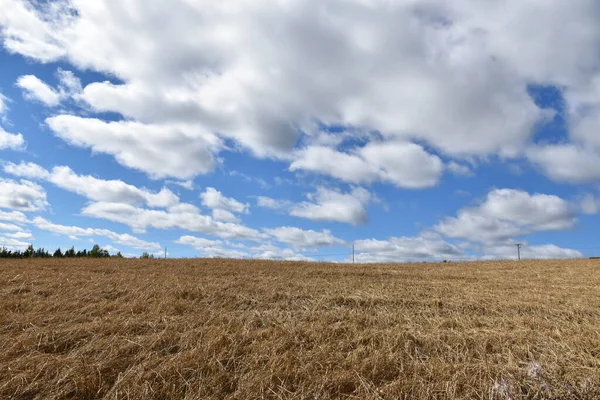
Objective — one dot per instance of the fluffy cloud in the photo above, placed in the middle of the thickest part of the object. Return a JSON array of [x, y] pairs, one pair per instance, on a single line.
[[75, 231], [567, 163], [332, 205], [3, 105], [161, 150], [303, 238], [397, 249], [508, 213], [215, 200], [219, 248], [93, 188], [456, 80], [9, 227], [392, 162], [13, 244], [26, 170], [459, 169], [13, 216], [273, 204], [11, 141], [211, 248], [545, 252], [37, 90], [183, 216], [24, 195]]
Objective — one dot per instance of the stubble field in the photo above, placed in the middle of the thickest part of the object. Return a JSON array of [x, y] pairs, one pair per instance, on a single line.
[[226, 329]]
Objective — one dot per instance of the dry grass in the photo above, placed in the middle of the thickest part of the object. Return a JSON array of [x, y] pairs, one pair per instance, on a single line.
[[195, 329]]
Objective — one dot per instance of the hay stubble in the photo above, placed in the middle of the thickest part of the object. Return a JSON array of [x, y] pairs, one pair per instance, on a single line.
[[195, 329]]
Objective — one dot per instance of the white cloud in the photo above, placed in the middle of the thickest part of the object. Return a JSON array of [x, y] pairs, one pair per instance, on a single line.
[[214, 199], [26, 170], [546, 252], [392, 161], [37, 90], [23, 195], [13, 244], [590, 204], [224, 215], [303, 238], [457, 80], [459, 169], [508, 213], [189, 184], [274, 204], [75, 231], [567, 163], [3, 104], [160, 150], [332, 205], [9, 227], [219, 248], [211, 248], [11, 141], [93, 188], [13, 216], [20, 235], [183, 216], [428, 245], [69, 85]]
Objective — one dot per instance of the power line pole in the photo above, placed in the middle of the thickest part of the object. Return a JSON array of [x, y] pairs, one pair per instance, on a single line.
[[519, 245], [352, 253], [165, 251]]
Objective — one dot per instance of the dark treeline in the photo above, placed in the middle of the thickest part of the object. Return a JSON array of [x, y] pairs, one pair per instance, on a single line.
[[30, 252]]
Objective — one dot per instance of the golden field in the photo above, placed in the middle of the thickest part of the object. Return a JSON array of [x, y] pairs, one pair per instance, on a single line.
[[232, 329]]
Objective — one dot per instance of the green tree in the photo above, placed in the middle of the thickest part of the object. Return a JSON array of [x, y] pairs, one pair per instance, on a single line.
[[29, 252], [96, 251], [58, 253], [146, 255], [70, 252]]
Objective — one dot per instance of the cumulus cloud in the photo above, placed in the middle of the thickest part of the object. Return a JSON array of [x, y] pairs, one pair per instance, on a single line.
[[459, 169], [273, 204], [219, 248], [456, 80], [3, 105], [211, 248], [37, 90], [214, 199], [544, 252], [404, 164], [160, 150], [332, 205], [75, 231], [11, 141], [303, 238], [428, 245], [567, 162], [13, 216], [12, 243], [91, 187], [10, 227], [23, 196], [26, 170], [183, 216], [508, 213]]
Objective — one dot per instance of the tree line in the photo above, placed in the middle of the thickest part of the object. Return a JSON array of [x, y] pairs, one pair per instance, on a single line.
[[31, 252]]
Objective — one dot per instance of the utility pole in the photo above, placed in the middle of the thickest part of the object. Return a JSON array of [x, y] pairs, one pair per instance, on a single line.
[[165, 251], [519, 245], [352, 253]]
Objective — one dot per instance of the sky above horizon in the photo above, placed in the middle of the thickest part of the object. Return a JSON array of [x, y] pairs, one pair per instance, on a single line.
[[295, 129]]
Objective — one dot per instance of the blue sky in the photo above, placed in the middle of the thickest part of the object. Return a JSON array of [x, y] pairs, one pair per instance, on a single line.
[[295, 129]]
